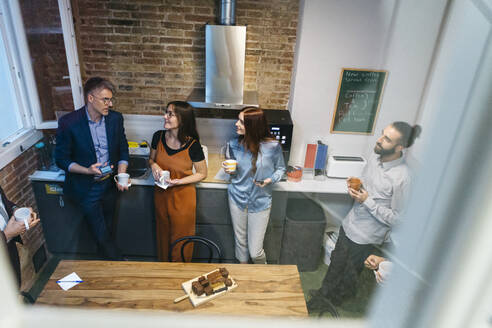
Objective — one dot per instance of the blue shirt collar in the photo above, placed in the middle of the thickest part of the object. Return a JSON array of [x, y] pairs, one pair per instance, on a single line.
[[89, 117]]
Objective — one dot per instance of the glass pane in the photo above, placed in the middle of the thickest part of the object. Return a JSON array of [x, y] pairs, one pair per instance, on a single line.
[[9, 105], [48, 56]]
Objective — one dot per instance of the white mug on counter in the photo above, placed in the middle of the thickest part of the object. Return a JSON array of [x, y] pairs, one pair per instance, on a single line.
[[122, 179]]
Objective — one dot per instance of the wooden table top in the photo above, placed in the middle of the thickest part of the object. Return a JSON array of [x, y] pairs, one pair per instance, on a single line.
[[271, 290]]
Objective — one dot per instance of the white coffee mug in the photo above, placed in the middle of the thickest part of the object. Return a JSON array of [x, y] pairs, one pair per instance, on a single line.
[[122, 179], [230, 164], [23, 214], [384, 270], [165, 175]]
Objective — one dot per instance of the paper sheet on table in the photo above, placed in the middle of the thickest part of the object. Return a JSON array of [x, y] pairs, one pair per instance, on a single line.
[[69, 281], [222, 175]]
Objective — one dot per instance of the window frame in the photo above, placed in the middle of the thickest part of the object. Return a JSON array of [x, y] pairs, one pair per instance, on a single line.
[[13, 32], [70, 42], [26, 136]]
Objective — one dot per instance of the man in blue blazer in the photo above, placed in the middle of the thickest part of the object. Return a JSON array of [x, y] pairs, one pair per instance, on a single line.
[[89, 141]]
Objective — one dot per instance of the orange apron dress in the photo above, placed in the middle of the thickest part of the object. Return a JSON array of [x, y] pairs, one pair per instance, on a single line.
[[175, 207]]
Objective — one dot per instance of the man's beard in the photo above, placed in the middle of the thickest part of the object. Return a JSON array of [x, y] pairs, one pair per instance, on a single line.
[[383, 152]]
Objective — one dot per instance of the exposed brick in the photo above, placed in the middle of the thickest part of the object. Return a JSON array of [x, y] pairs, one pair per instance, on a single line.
[[125, 22], [125, 41], [199, 18], [150, 8], [118, 6], [174, 25], [175, 40], [181, 10], [148, 101], [125, 87], [146, 31], [150, 39], [152, 75], [173, 32], [122, 30], [203, 11], [121, 14], [149, 16], [148, 23], [175, 17]]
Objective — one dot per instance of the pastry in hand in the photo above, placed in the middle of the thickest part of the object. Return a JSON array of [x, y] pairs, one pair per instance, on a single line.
[[355, 183]]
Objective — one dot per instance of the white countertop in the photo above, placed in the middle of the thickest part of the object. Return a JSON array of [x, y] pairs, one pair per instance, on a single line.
[[327, 186]]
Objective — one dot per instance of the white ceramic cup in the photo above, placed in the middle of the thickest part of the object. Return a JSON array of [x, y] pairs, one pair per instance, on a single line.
[[385, 269], [23, 214], [122, 179], [165, 175], [230, 164]]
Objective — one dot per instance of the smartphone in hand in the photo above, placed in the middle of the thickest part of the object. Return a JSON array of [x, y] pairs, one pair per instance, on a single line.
[[106, 170]]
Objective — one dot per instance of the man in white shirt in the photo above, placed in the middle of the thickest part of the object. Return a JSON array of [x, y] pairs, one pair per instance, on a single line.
[[10, 230], [377, 207]]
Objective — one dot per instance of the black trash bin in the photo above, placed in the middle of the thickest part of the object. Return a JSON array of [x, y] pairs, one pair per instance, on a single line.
[[303, 234]]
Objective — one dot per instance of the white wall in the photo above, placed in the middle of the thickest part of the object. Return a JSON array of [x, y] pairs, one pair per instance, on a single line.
[[395, 35]]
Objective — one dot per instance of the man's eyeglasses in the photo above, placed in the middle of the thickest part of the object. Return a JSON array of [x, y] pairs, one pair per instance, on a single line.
[[106, 100]]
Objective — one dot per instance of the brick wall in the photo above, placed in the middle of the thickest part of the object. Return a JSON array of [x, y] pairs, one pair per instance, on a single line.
[[16, 185], [154, 50]]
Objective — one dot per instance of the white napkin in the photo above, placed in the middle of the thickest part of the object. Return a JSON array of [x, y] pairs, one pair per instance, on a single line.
[[161, 185], [222, 175], [69, 281]]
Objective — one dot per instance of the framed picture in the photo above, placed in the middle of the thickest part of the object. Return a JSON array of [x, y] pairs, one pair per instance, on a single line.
[[358, 100]]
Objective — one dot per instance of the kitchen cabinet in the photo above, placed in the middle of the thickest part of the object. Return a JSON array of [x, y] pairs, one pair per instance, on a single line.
[[65, 230], [214, 222], [135, 223], [67, 233]]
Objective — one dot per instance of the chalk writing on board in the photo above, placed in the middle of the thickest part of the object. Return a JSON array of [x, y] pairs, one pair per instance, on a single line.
[[358, 100]]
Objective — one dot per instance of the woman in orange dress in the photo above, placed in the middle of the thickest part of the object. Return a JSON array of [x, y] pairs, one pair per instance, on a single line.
[[177, 150]]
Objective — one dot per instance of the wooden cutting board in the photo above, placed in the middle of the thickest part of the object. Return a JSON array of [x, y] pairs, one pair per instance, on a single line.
[[197, 300]]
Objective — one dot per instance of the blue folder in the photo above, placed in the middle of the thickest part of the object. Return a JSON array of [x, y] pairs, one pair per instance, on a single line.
[[321, 156]]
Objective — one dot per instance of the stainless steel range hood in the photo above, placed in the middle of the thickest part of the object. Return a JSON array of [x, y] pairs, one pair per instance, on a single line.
[[225, 50]]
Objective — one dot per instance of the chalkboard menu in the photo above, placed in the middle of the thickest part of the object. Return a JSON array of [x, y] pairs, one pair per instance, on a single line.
[[359, 97]]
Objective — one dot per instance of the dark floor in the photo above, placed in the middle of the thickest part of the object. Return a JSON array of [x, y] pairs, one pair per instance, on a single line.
[[43, 278]]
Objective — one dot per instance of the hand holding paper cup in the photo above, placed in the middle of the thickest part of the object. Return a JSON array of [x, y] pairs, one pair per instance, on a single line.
[[23, 214], [122, 179], [229, 165]]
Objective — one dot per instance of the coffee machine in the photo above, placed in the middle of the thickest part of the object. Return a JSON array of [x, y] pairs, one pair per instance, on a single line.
[[280, 124], [216, 126]]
